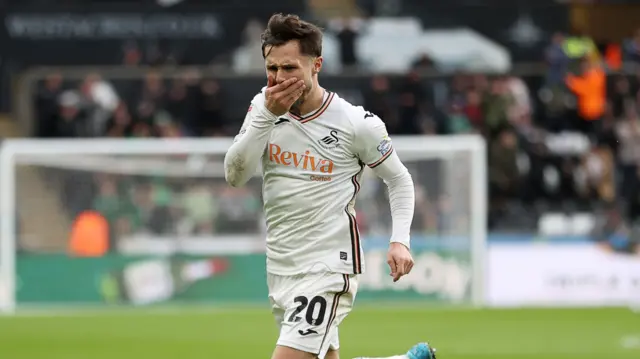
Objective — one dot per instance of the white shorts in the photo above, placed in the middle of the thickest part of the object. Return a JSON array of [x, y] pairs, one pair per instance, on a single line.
[[309, 307]]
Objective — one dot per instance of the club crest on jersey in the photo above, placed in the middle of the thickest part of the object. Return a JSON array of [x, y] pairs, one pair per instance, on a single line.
[[385, 145], [330, 141], [303, 161]]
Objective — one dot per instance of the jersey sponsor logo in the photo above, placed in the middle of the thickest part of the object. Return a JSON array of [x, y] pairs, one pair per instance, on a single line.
[[305, 161], [368, 114], [320, 178], [331, 141], [385, 145]]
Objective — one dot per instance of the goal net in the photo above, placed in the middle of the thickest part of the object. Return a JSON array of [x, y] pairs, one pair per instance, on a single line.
[[141, 222]]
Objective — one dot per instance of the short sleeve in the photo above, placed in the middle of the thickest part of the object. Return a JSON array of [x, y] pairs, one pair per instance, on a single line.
[[373, 145]]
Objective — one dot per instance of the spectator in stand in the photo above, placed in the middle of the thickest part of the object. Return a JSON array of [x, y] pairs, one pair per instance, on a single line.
[[347, 36], [518, 91], [153, 89], [152, 203], [100, 100], [590, 89], [131, 54], [199, 203], [480, 83], [557, 61], [413, 114], [241, 210], [109, 202], [621, 97], [612, 55], [607, 134], [497, 104], [146, 117], [503, 169], [628, 134], [247, 58], [473, 109], [165, 127], [142, 130], [459, 87], [632, 49], [212, 120], [578, 46], [423, 62], [378, 99], [121, 124], [531, 141], [598, 169], [177, 104], [458, 122], [72, 119], [47, 106]]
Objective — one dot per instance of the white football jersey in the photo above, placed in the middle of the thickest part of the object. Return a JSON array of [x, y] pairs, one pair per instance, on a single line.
[[312, 168]]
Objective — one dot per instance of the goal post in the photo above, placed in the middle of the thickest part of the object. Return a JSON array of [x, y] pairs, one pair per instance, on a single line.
[[45, 184]]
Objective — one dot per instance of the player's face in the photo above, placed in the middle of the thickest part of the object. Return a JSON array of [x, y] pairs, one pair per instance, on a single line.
[[286, 61]]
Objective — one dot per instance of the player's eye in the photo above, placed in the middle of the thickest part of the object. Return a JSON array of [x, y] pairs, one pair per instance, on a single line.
[[288, 68], [272, 68]]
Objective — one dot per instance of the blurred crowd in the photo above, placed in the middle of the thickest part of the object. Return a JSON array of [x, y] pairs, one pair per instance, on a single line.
[[565, 141], [162, 206], [153, 107]]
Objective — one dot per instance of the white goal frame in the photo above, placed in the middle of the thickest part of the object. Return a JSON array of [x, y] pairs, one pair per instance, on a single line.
[[427, 146]]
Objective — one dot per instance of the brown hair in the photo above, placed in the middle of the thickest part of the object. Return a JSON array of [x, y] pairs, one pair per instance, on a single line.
[[284, 28]]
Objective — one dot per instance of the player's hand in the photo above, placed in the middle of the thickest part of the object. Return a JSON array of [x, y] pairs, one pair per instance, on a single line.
[[280, 97], [399, 260]]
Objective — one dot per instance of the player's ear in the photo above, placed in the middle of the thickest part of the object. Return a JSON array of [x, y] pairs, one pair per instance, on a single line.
[[317, 65]]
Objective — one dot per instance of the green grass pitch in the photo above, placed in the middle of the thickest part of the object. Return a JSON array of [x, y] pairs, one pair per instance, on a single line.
[[219, 333]]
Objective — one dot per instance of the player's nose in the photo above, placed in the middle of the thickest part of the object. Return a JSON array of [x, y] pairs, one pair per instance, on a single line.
[[281, 77]]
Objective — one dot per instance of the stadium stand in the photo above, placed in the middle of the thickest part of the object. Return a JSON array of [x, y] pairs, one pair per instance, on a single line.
[[561, 145]]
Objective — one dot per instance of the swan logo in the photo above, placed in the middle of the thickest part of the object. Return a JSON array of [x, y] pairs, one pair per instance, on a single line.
[[331, 141]]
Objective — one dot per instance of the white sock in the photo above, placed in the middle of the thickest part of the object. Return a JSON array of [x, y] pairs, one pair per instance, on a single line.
[[393, 357]]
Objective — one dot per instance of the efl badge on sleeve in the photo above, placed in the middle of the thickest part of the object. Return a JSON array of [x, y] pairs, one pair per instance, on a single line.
[[385, 145]]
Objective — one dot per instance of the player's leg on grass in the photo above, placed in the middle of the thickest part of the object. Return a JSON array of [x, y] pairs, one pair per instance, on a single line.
[[332, 354], [283, 352], [418, 351]]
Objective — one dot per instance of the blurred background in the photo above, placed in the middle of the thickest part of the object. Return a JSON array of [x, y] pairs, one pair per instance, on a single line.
[[552, 87]]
